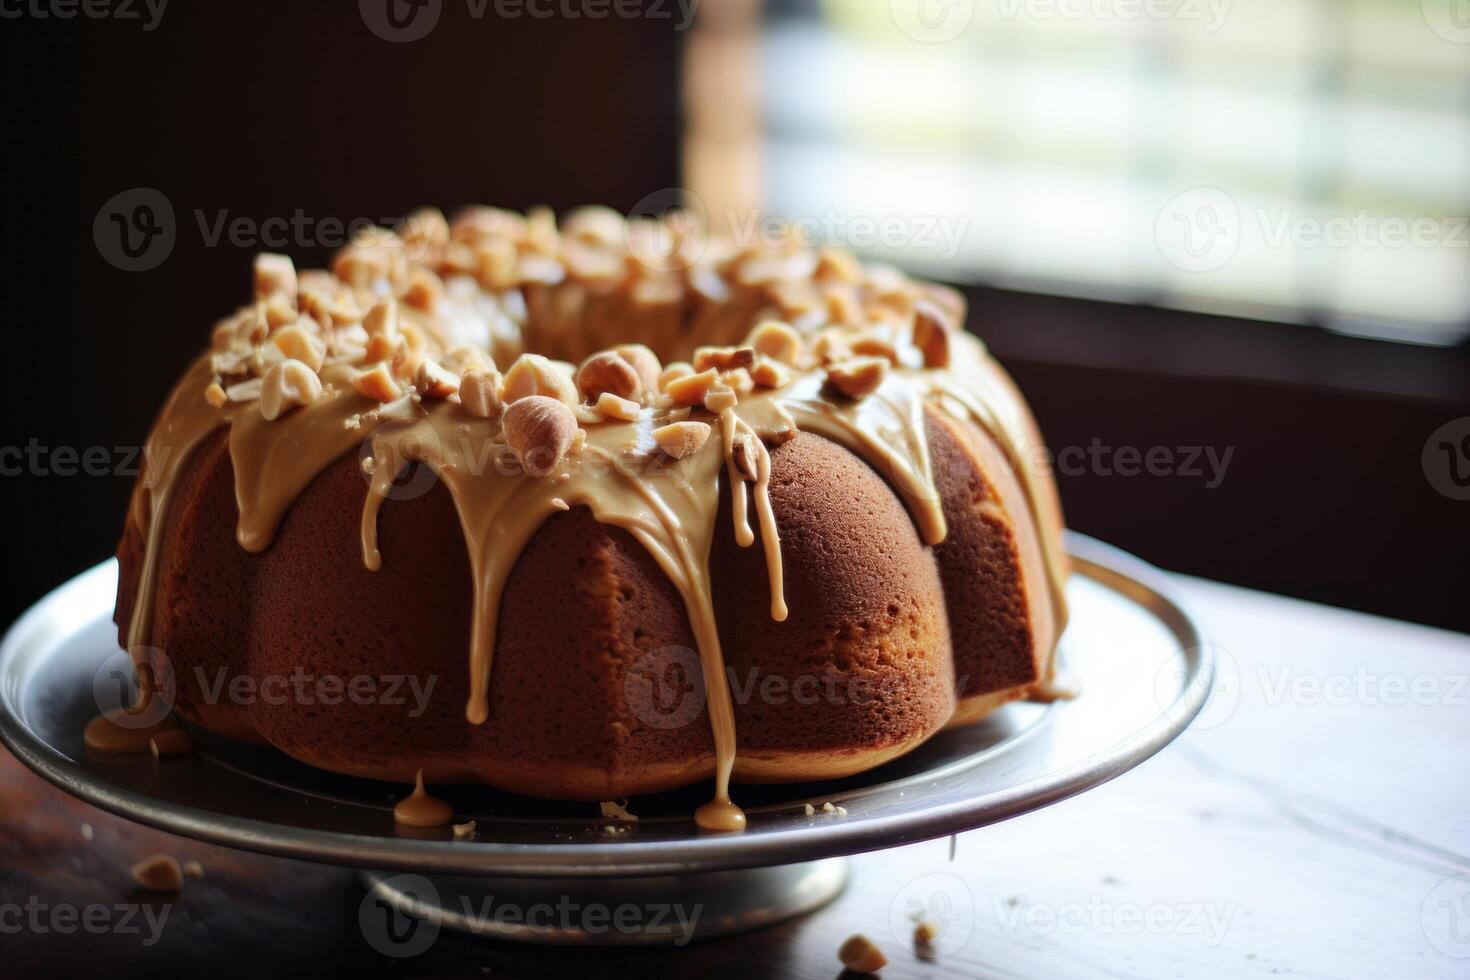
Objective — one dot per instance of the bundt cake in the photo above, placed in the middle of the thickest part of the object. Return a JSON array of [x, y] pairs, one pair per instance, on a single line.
[[690, 508]]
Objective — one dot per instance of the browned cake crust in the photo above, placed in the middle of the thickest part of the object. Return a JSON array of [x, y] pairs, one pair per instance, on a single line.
[[860, 672]]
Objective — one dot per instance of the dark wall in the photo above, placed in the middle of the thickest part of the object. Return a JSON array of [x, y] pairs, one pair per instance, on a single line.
[[1283, 458], [255, 110]]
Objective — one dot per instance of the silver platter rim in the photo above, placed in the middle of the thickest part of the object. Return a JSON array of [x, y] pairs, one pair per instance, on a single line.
[[1132, 579]]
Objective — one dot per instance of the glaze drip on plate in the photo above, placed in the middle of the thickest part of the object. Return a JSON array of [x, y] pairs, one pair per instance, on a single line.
[[413, 349]]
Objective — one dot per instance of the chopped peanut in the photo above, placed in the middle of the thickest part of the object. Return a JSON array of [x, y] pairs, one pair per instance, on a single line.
[[539, 430], [378, 384], [721, 397], [479, 392], [614, 407], [679, 439], [433, 381], [159, 873], [858, 377], [931, 334], [691, 389], [301, 342], [645, 362], [532, 374], [777, 341], [724, 358], [608, 373], [673, 372], [769, 374], [860, 955], [288, 385], [274, 274]]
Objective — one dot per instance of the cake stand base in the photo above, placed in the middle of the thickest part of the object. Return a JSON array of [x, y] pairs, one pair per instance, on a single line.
[[402, 911]]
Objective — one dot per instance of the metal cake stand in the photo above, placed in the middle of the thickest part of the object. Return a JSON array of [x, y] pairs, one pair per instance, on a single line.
[[1138, 659]]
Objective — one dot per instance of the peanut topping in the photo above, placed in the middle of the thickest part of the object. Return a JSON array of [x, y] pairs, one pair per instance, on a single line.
[[875, 346], [377, 383], [539, 431], [724, 358], [299, 341], [479, 392], [768, 374], [645, 362], [860, 955], [925, 932], [747, 456], [858, 377], [532, 374], [425, 289], [286, 386], [216, 396], [382, 320], [360, 266], [672, 373], [721, 397], [274, 274], [413, 337], [463, 359], [679, 439], [159, 873], [497, 263], [777, 341], [831, 345], [833, 263], [379, 348], [609, 373], [406, 362], [738, 380], [433, 381], [931, 334], [280, 310], [843, 307], [691, 388], [614, 407]]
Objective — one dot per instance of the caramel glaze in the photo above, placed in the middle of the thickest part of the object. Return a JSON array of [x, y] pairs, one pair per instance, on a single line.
[[116, 733], [419, 809], [618, 473]]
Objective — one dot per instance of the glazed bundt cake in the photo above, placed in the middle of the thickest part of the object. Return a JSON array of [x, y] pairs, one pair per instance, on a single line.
[[688, 509]]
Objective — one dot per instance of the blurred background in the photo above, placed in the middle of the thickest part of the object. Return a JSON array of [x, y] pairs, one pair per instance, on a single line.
[[1221, 244]]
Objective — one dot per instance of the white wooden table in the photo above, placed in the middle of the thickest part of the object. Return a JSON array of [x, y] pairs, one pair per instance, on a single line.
[[1314, 822]]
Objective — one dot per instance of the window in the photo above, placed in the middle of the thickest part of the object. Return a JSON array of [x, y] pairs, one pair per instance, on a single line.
[[1293, 160]]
